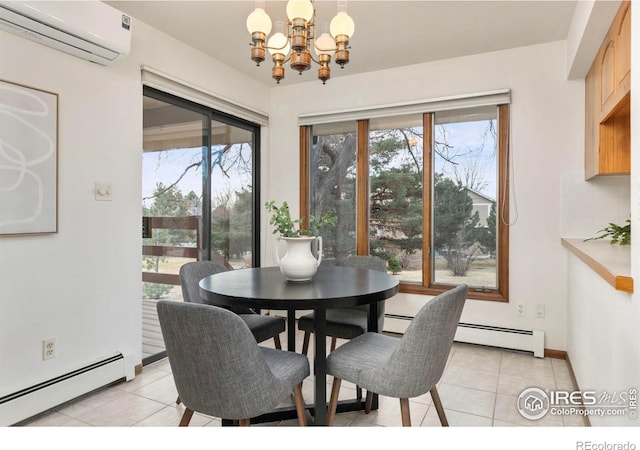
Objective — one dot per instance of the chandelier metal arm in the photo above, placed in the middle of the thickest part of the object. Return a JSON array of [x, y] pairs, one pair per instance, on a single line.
[[300, 37]]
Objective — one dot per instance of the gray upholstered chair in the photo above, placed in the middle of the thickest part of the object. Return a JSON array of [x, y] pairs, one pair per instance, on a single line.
[[263, 327], [401, 368], [346, 323], [219, 369]]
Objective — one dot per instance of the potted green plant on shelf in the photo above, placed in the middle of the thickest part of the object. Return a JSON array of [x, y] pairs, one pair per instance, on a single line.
[[298, 262], [619, 234]]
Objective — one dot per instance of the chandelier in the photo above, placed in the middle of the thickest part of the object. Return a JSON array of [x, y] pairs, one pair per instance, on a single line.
[[293, 42]]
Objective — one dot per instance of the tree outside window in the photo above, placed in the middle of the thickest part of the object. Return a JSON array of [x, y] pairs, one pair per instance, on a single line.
[[432, 208]]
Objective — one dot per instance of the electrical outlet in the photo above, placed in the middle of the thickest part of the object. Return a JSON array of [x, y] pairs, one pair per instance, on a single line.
[[521, 310], [540, 311], [48, 349]]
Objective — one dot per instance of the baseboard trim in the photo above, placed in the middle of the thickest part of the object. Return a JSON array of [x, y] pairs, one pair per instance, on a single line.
[[555, 354]]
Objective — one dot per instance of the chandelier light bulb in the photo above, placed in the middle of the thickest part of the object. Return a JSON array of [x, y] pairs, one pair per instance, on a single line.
[[299, 9], [278, 43], [324, 45], [292, 40], [342, 23], [259, 21]]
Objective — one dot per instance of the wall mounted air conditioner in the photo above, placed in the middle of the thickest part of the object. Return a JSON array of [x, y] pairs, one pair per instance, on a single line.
[[89, 30]]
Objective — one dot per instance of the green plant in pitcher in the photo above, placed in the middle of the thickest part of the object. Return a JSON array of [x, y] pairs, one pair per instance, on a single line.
[[287, 227]]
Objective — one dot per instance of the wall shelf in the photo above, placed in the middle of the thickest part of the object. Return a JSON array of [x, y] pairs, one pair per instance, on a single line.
[[611, 262]]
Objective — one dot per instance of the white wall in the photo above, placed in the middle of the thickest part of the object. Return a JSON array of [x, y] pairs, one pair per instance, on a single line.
[[602, 343], [547, 115], [589, 206], [603, 323], [82, 286]]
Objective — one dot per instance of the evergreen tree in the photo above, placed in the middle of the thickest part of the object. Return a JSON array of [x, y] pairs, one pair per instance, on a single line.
[[395, 194], [456, 230], [396, 210], [489, 237], [232, 224], [168, 202]]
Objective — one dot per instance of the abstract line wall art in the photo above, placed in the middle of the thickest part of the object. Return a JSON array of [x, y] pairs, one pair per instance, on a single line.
[[28, 160]]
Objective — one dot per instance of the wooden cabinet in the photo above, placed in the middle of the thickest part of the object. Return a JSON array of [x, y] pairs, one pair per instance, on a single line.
[[608, 74], [593, 106], [607, 102], [623, 50]]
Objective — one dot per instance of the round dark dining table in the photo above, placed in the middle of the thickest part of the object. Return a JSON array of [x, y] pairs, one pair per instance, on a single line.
[[331, 287]]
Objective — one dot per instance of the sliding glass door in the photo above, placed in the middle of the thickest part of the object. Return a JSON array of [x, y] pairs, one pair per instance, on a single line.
[[199, 171]]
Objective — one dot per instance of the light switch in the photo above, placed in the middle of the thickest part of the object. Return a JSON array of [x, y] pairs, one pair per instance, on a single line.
[[103, 191]]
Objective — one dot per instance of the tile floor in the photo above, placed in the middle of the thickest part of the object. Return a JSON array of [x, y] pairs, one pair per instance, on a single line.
[[478, 389]]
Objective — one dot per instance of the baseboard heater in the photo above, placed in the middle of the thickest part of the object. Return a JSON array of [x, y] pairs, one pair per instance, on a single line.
[[43, 396], [524, 340]]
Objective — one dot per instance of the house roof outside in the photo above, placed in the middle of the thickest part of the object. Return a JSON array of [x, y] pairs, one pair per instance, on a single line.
[[482, 205], [482, 196]]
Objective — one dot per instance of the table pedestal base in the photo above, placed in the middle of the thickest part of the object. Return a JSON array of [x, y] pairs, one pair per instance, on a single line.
[[289, 413]]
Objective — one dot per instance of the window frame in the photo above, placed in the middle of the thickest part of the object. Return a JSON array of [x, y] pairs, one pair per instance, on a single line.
[[209, 115], [427, 286]]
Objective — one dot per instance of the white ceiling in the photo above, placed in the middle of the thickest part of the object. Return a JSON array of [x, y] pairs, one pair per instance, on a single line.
[[387, 34]]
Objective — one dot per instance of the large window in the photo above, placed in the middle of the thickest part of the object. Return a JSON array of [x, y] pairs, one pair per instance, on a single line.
[[427, 192]]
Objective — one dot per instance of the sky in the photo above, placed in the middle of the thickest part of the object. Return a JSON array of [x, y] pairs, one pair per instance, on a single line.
[[467, 138], [168, 165]]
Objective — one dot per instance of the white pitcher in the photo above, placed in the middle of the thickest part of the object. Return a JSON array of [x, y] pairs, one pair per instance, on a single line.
[[298, 262]]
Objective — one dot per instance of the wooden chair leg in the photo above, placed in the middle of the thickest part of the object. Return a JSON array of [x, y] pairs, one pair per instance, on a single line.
[[245, 422], [404, 411], [276, 340], [333, 402], [186, 418], [305, 342], [178, 401], [302, 416], [439, 409], [368, 401], [333, 343]]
